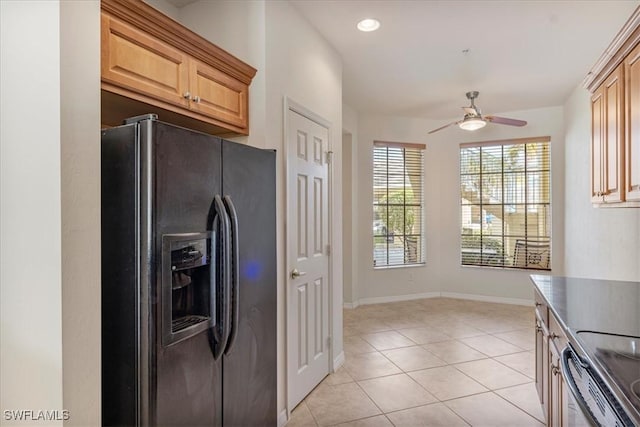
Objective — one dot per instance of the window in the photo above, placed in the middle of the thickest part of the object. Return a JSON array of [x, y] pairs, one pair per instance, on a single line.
[[398, 208], [505, 198]]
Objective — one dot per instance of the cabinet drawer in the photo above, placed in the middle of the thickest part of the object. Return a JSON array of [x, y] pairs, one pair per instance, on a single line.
[[557, 336], [542, 311]]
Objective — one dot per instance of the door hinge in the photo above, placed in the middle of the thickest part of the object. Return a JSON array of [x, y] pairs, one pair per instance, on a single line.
[[328, 249], [329, 342], [329, 156]]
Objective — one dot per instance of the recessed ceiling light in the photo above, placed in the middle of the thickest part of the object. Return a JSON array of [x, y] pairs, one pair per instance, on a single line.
[[368, 24]]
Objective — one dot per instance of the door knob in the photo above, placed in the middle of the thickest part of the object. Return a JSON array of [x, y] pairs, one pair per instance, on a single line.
[[295, 273]]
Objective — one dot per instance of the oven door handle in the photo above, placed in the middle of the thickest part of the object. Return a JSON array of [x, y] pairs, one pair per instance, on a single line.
[[568, 379]]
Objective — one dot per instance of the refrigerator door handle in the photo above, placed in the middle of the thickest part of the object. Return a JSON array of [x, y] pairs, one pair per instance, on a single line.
[[235, 272], [221, 333], [213, 271]]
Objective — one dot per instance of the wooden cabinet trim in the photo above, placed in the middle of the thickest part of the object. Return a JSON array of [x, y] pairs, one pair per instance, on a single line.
[[157, 24], [623, 43]]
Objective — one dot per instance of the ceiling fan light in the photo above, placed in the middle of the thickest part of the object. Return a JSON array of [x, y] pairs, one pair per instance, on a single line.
[[474, 123]]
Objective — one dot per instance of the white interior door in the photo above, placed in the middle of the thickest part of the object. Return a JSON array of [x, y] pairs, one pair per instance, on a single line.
[[307, 256]]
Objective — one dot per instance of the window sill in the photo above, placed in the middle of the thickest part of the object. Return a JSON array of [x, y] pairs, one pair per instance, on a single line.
[[495, 267]]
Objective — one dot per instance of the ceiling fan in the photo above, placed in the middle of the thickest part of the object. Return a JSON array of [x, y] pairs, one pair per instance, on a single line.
[[473, 118]]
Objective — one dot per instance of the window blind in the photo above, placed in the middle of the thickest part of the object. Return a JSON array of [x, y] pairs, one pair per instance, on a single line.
[[398, 204], [505, 200]]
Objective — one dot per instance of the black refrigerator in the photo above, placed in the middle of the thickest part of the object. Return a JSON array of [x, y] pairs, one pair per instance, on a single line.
[[188, 278]]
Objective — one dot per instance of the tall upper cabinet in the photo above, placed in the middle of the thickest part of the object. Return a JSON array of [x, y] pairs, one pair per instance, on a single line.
[[614, 83], [152, 64], [632, 136]]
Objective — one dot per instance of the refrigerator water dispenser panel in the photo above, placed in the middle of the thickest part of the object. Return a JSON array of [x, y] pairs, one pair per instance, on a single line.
[[188, 277]]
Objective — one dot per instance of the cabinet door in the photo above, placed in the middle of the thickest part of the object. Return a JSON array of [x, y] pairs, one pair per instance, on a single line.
[[613, 141], [597, 137], [218, 95], [555, 417], [632, 97], [139, 63]]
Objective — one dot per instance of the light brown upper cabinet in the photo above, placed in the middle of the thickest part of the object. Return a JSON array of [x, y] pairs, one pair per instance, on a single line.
[[615, 120], [152, 64], [632, 97], [607, 140]]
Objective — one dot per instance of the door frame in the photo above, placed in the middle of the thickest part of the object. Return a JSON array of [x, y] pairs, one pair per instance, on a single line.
[[292, 106]]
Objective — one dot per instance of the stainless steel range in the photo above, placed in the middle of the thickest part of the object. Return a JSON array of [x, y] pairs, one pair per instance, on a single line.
[[606, 386]]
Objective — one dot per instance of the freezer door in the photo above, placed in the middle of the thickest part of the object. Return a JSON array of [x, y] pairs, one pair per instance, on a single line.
[[186, 178], [249, 379], [119, 281]]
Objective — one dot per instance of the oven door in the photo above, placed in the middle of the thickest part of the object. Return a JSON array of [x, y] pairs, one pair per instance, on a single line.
[[587, 404], [575, 409]]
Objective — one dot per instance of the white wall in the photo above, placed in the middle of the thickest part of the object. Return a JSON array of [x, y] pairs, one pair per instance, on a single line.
[[302, 66], [31, 286], [349, 167], [80, 176], [442, 272], [601, 243], [50, 229], [239, 28]]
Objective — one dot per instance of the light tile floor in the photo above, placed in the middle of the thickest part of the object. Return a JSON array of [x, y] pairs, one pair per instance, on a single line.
[[431, 362]]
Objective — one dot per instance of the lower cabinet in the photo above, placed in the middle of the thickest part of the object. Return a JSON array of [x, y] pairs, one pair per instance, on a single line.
[[557, 392], [550, 341]]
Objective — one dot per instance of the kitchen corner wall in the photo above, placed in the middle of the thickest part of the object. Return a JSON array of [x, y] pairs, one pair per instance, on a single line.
[[601, 243], [443, 273], [293, 62], [50, 265], [30, 276]]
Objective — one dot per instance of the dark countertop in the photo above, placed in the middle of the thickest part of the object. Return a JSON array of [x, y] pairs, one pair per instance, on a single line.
[[594, 305], [602, 319]]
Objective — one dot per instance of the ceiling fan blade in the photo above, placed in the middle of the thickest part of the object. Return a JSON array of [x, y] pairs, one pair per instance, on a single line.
[[505, 121], [445, 126]]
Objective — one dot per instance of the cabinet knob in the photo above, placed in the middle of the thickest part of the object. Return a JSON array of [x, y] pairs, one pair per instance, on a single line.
[[553, 336], [555, 370], [196, 99], [187, 96]]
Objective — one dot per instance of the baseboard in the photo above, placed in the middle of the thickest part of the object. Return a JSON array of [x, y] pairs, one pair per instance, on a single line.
[[338, 361], [409, 297], [487, 298], [397, 298], [282, 418]]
